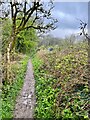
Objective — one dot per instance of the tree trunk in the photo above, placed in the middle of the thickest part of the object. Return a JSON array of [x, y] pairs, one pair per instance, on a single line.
[[8, 71], [8, 54]]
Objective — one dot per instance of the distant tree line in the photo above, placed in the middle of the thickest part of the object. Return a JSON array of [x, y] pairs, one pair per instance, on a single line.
[[50, 40]]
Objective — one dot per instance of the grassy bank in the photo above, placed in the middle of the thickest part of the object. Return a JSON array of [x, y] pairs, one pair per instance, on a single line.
[[10, 92], [45, 94]]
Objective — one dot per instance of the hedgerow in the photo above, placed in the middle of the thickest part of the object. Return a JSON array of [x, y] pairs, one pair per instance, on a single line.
[[61, 84]]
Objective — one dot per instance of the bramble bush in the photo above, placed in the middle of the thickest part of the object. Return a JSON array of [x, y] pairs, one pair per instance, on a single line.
[[61, 84]]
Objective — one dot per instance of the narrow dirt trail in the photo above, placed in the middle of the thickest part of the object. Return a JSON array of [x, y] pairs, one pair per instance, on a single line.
[[26, 100]]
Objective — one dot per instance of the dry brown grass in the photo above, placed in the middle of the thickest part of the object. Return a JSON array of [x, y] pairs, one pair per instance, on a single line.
[[42, 54]]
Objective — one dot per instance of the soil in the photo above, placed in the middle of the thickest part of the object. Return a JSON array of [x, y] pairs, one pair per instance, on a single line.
[[25, 102]]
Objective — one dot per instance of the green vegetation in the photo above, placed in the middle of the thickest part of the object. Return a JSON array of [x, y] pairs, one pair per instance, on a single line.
[[61, 84], [10, 92], [26, 42], [45, 94], [26, 39]]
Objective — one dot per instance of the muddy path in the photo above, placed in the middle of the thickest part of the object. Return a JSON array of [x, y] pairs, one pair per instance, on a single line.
[[25, 102]]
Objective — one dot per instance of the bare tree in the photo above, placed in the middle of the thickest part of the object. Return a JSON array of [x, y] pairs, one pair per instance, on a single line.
[[83, 31]]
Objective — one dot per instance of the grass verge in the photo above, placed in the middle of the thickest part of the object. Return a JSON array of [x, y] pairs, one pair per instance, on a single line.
[[45, 94], [10, 92]]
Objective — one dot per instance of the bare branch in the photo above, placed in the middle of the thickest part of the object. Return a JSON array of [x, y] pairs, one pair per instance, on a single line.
[[83, 27]]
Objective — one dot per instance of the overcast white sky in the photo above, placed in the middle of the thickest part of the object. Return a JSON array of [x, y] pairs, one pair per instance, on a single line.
[[68, 14]]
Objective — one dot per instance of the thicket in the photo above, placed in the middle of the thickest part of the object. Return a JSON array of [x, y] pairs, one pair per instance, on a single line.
[[61, 83]]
